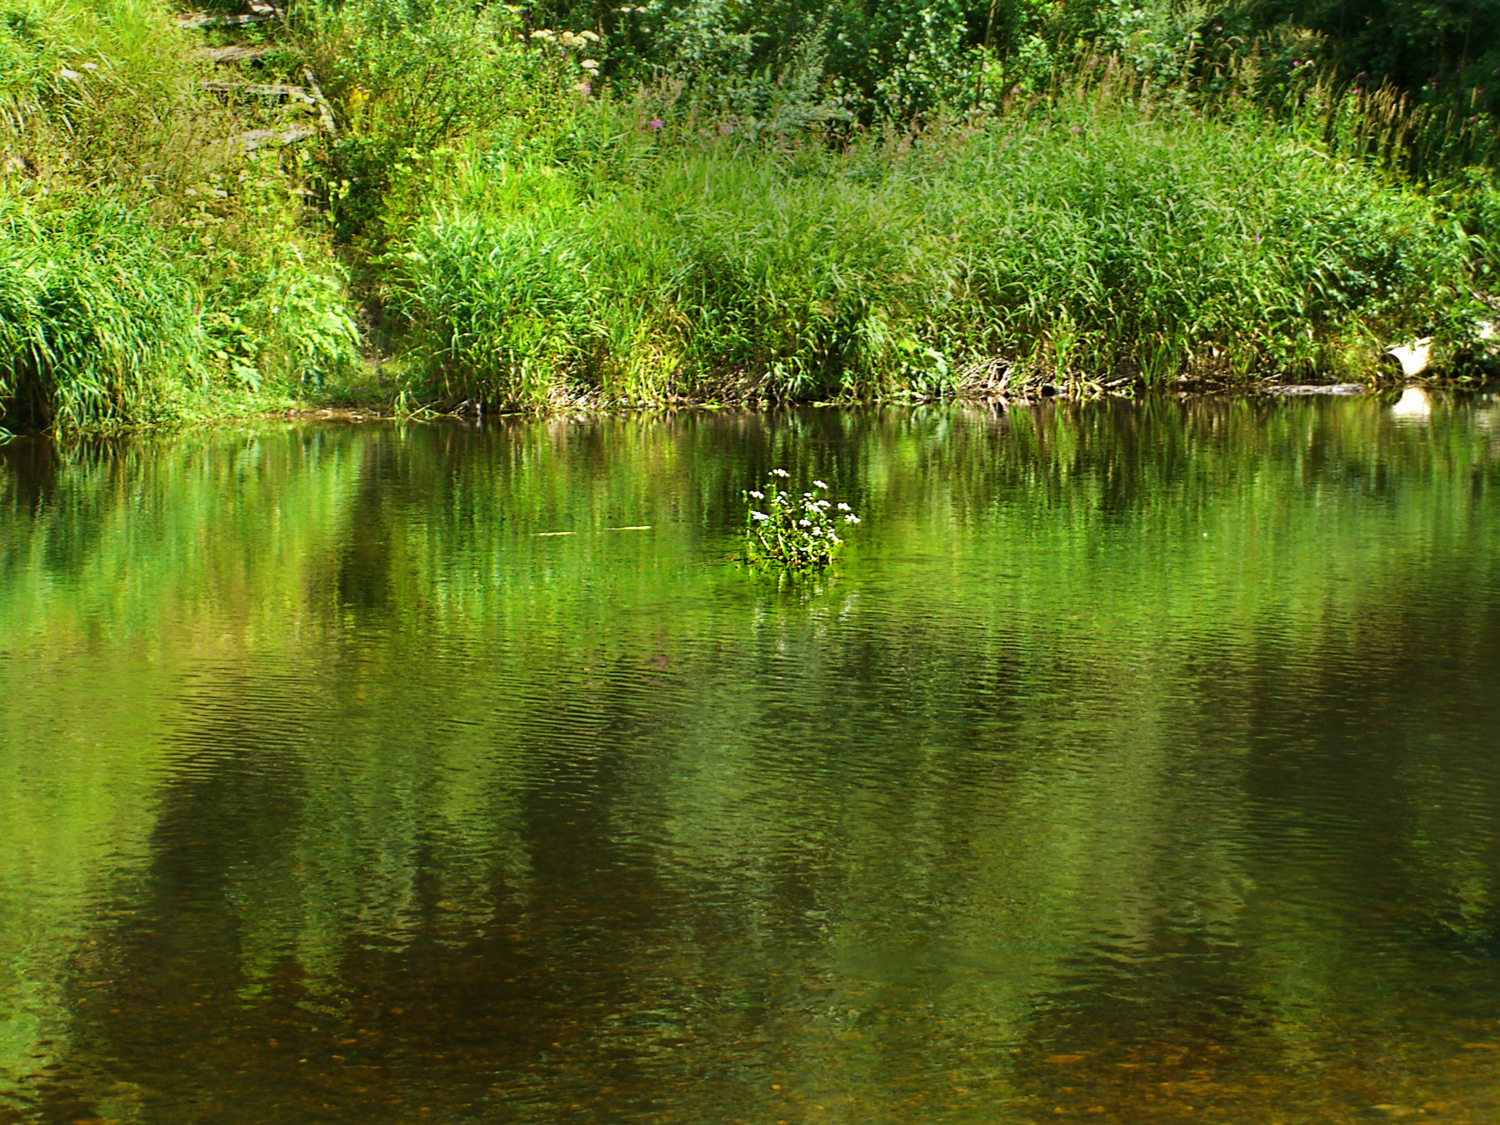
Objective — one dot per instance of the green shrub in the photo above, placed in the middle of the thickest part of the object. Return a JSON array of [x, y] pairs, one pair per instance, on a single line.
[[283, 316], [791, 60], [408, 76]]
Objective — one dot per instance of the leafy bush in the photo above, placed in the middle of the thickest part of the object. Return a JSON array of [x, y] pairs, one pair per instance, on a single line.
[[283, 317], [407, 76], [791, 60]]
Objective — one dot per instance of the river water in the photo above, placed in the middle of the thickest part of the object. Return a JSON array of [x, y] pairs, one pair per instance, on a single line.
[[1139, 762]]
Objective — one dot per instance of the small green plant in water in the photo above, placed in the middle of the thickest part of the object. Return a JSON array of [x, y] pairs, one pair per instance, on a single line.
[[791, 533]]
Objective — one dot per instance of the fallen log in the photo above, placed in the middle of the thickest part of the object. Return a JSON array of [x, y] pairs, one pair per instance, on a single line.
[[310, 95], [260, 90]]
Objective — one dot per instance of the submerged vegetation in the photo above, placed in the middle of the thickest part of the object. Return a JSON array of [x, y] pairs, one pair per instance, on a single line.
[[427, 202]]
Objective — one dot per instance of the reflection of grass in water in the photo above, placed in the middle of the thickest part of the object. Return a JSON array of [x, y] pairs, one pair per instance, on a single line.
[[367, 617]]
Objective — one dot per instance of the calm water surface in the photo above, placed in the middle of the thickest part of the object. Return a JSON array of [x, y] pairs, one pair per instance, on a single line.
[[1141, 762]]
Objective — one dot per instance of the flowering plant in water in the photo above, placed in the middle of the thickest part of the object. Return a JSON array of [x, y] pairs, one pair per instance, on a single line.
[[792, 532]]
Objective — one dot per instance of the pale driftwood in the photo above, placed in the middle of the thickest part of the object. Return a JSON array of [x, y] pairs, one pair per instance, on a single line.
[[258, 138], [229, 54], [325, 112], [204, 19]]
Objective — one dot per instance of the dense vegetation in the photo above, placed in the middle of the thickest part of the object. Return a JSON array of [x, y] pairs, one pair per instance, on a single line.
[[426, 202]]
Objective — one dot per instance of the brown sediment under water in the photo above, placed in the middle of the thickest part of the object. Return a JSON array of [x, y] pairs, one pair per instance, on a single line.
[[1138, 762]]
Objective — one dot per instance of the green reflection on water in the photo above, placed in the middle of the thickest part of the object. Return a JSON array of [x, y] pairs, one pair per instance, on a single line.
[[1138, 757]]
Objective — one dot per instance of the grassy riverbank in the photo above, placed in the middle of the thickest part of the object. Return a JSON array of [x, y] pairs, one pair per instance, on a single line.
[[1093, 243], [418, 204]]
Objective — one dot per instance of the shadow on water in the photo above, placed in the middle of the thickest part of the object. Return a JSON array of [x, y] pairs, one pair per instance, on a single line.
[[1136, 764]]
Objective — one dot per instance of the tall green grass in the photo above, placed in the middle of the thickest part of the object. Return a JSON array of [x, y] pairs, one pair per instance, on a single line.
[[97, 324], [519, 233], [98, 91], [107, 320], [150, 266], [1098, 241]]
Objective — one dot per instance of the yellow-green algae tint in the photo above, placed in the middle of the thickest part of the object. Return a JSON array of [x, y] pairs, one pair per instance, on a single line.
[[1137, 761]]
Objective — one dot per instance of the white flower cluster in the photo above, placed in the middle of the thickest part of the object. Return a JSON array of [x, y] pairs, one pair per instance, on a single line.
[[571, 41], [793, 533]]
